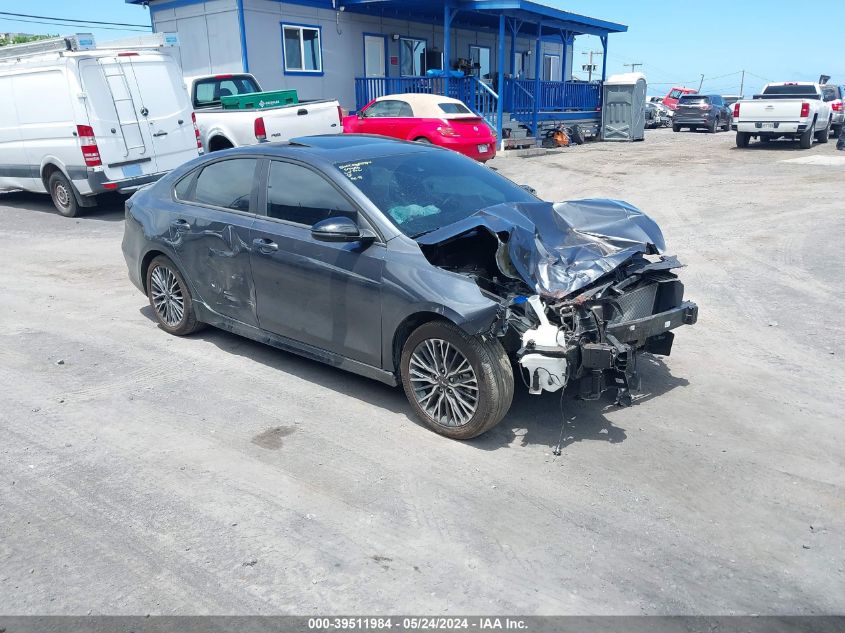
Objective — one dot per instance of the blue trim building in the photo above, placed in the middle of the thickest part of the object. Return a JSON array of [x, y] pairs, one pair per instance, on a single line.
[[516, 55]]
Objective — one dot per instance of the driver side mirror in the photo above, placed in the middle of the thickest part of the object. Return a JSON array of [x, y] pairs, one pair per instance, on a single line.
[[341, 229]]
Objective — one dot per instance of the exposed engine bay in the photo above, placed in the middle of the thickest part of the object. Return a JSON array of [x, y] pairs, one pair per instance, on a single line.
[[582, 286]]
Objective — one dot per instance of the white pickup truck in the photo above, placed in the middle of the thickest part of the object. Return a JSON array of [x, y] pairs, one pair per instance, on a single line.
[[793, 110], [222, 128]]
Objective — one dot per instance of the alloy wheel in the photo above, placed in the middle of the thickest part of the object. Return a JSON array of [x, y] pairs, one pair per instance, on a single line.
[[168, 299], [444, 383]]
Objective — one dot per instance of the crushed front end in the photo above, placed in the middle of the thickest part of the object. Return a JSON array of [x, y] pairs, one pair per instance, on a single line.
[[582, 285]]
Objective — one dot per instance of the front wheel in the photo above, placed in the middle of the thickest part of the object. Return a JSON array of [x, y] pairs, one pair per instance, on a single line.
[[713, 126], [459, 385], [742, 139], [170, 298]]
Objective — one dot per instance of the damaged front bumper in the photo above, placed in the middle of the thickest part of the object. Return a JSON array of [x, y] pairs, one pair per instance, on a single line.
[[552, 360]]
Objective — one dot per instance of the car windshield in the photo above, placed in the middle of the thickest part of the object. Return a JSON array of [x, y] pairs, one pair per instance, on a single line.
[[423, 191]]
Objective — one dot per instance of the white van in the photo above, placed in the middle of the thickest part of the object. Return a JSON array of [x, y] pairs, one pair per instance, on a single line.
[[77, 121]]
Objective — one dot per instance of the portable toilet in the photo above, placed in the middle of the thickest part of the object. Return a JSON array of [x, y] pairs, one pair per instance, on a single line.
[[623, 107]]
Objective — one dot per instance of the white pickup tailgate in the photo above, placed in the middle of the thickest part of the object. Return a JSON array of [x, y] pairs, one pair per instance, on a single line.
[[304, 119], [771, 110]]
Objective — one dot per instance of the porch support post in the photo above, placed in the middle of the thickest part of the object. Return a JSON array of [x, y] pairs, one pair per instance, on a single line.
[[447, 45], [513, 47], [604, 59], [538, 66], [500, 102], [564, 36]]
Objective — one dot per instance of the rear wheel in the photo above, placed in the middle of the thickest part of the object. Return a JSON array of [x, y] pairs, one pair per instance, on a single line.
[[823, 136], [422, 140], [805, 141], [64, 198], [727, 126], [836, 131], [742, 139], [170, 298], [459, 385], [676, 128]]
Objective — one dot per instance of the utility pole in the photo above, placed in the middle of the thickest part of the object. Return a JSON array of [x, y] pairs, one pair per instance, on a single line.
[[633, 66], [742, 85], [590, 67], [701, 83]]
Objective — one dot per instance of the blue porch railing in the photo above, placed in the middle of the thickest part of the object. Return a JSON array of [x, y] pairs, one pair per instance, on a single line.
[[519, 99]]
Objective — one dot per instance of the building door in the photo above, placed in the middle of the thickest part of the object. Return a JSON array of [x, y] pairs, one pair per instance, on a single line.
[[480, 58], [375, 56], [551, 68]]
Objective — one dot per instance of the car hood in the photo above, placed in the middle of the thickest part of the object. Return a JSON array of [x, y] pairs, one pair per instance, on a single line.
[[560, 248]]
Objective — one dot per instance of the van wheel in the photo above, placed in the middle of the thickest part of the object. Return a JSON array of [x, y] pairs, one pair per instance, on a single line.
[[459, 385], [742, 139], [64, 198]]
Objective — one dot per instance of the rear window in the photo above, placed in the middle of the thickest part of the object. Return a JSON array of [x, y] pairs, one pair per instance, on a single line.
[[454, 108], [790, 90], [226, 184], [831, 93], [692, 100], [207, 92]]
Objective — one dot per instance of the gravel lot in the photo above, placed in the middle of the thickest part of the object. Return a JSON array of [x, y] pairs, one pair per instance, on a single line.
[[142, 473]]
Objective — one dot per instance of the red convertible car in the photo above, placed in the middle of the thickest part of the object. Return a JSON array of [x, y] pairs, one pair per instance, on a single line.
[[426, 118]]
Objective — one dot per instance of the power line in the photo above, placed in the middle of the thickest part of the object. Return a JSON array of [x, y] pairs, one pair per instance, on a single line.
[[107, 28], [48, 17]]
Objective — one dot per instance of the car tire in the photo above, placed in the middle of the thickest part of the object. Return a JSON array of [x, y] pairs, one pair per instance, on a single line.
[[836, 131], [422, 140], [742, 139], [713, 126], [170, 298], [676, 128], [823, 136], [63, 195], [481, 394], [727, 127], [805, 141]]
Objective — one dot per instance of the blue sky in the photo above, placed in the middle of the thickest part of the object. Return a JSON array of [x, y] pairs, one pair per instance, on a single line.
[[677, 40]]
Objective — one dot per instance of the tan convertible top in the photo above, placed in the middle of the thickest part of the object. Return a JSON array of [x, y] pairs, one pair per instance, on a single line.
[[428, 106]]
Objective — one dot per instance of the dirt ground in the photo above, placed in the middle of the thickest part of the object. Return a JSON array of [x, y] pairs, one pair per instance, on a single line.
[[143, 473]]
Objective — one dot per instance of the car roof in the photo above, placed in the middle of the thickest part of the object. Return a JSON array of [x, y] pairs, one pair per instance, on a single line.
[[336, 148], [427, 106]]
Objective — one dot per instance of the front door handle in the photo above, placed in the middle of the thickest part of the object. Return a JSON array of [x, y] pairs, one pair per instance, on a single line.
[[180, 225], [157, 134], [265, 246]]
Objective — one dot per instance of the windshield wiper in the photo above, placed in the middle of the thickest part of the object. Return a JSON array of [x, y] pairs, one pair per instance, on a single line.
[[421, 233]]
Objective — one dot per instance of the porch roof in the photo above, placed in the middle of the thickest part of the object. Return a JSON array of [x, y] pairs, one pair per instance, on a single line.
[[484, 15]]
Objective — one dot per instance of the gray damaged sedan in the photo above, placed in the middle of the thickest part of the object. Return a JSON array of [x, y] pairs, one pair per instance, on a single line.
[[409, 264]]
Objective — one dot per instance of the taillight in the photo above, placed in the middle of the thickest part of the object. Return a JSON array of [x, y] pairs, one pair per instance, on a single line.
[[705, 106], [196, 130], [88, 145], [805, 110], [736, 110], [445, 130], [260, 130], [837, 106], [127, 54]]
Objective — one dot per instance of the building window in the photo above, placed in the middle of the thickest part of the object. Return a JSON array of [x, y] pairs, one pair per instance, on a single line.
[[412, 57], [302, 49], [551, 68], [480, 58]]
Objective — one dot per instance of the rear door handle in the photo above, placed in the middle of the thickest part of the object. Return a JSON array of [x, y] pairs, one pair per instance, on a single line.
[[180, 225], [301, 112], [265, 246], [157, 134]]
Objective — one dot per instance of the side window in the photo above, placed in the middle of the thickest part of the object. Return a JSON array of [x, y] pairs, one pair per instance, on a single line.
[[382, 109], [227, 184], [297, 194], [183, 186], [404, 109]]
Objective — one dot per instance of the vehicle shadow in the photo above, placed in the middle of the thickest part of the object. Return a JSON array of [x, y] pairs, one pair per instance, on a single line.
[[539, 419], [109, 209], [781, 145], [363, 389], [531, 419]]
